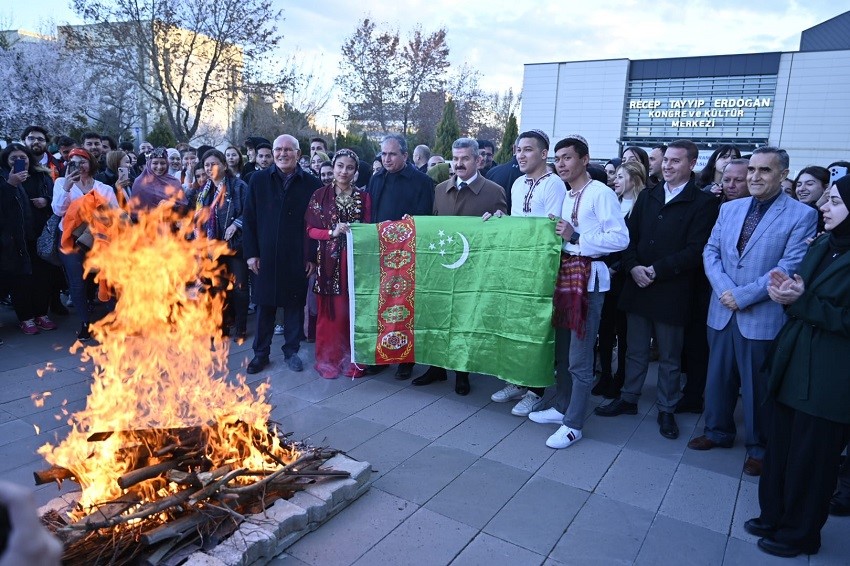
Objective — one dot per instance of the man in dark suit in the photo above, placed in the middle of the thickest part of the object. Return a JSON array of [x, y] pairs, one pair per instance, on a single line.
[[273, 241], [668, 228], [466, 193], [398, 189]]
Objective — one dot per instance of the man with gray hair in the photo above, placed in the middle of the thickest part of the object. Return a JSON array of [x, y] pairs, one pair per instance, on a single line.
[[466, 193], [273, 243], [398, 189], [751, 238], [421, 155]]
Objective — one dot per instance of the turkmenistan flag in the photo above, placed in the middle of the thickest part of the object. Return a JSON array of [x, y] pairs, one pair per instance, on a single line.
[[456, 292]]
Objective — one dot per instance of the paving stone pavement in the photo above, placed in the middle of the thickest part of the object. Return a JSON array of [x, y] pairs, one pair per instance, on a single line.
[[456, 480]]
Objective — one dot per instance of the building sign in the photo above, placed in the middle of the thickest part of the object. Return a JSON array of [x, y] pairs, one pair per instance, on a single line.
[[698, 112], [733, 108]]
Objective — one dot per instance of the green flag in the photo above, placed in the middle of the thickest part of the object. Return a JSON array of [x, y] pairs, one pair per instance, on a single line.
[[456, 292]]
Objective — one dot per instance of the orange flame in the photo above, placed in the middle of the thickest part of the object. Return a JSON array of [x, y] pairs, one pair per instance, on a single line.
[[160, 361]]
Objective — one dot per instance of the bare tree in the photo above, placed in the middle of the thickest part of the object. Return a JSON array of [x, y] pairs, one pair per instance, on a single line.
[[189, 59], [43, 85], [388, 77]]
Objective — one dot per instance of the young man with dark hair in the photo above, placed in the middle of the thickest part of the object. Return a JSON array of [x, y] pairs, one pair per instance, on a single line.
[[107, 144], [668, 229], [536, 192], [263, 159], [92, 142], [36, 139], [591, 226], [318, 144], [656, 156], [486, 150]]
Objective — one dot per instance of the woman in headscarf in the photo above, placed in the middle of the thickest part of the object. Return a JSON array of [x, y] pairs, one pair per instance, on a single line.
[[332, 208], [31, 188], [218, 208], [78, 183], [175, 163], [155, 185], [808, 389]]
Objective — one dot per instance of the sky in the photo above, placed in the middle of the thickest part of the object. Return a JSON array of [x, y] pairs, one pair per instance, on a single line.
[[498, 37]]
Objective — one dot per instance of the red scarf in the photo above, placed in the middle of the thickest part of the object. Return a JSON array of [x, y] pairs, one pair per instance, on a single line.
[[570, 300]]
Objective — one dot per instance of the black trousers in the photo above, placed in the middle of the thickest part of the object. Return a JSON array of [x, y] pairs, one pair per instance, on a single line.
[[695, 347], [31, 293], [293, 329], [236, 298], [612, 330], [799, 475]]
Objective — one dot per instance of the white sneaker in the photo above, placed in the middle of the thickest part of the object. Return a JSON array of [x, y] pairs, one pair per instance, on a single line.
[[563, 437], [508, 393], [278, 329], [549, 416], [531, 401]]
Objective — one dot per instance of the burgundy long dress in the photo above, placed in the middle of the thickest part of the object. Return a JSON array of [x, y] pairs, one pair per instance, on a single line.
[[333, 340]]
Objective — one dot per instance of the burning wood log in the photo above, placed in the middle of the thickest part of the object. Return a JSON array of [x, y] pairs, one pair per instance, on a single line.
[[141, 474], [52, 474]]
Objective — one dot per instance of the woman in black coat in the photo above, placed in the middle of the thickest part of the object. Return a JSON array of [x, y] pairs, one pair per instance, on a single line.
[[809, 390], [27, 192], [219, 205]]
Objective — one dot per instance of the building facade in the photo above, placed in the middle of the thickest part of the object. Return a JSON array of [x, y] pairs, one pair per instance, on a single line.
[[799, 101]]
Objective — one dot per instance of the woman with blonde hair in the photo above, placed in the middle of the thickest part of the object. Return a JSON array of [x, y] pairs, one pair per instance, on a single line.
[[629, 181]]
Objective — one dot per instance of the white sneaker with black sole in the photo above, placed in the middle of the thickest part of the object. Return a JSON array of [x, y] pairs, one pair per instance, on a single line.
[[508, 393], [549, 416], [563, 437], [531, 401]]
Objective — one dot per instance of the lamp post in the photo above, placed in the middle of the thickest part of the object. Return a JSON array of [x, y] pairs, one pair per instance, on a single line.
[[336, 117]]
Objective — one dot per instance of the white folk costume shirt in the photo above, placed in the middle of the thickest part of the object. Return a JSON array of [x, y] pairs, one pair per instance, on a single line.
[[595, 214], [62, 198], [537, 198]]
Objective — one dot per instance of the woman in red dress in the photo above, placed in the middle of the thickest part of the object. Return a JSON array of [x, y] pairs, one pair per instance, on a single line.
[[332, 208]]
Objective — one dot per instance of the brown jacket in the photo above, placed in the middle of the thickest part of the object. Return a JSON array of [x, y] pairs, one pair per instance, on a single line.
[[481, 196]]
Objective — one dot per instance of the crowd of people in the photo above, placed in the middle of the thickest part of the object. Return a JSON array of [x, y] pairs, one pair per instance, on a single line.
[[735, 278]]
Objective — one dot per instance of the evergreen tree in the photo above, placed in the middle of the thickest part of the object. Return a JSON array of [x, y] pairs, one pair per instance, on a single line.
[[448, 130], [161, 134], [511, 132]]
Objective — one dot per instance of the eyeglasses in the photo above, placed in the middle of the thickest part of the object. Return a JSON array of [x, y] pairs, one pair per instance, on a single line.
[[35, 139]]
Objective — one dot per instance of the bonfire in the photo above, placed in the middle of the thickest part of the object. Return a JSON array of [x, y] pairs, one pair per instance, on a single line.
[[168, 441]]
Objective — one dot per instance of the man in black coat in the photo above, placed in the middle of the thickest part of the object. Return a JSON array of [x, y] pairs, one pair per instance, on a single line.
[[504, 175], [273, 243], [398, 189], [668, 229]]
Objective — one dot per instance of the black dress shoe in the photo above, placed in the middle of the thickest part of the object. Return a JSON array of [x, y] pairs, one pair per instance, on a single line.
[[759, 528], [667, 425], [839, 507], [615, 408], [462, 383], [433, 374], [688, 406], [257, 364], [404, 371], [782, 549], [374, 370]]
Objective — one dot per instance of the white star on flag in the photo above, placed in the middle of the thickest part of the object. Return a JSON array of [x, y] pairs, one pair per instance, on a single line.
[[450, 239], [431, 246], [441, 233]]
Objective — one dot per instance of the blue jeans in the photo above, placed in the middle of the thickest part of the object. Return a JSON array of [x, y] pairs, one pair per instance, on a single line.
[[574, 359], [73, 264]]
